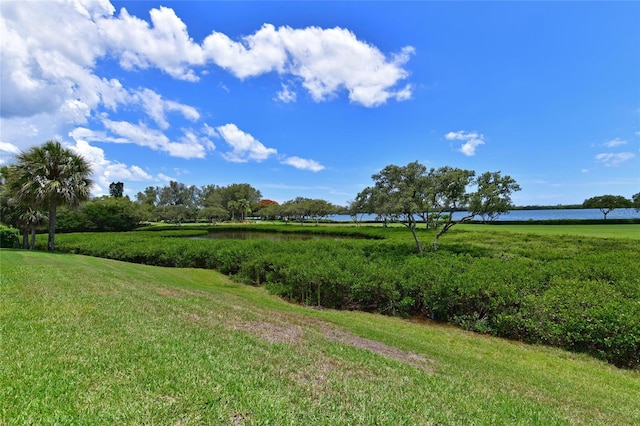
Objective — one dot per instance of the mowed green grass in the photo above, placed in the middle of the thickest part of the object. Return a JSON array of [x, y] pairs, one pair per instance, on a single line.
[[628, 231], [95, 341]]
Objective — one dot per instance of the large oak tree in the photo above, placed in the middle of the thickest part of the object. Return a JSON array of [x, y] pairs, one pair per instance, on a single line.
[[405, 193], [607, 203]]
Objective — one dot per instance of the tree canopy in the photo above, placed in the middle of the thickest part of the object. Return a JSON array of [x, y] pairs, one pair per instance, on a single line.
[[50, 175], [607, 203], [116, 189], [405, 193], [635, 200]]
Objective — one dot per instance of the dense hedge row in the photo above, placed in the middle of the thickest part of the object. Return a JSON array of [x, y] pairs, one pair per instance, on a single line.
[[578, 293]]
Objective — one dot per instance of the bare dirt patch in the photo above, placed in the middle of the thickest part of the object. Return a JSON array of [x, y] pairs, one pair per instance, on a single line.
[[379, 348], [288, 330], [168, 292], [272, 333]]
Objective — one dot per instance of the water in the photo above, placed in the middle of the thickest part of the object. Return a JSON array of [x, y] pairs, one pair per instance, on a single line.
[[525, 215]]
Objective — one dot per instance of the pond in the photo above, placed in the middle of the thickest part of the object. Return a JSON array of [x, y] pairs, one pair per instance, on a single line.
[[272, 236]]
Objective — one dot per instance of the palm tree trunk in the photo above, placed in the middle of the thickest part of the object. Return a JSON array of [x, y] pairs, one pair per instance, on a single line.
[[32, 245], [52, 224]]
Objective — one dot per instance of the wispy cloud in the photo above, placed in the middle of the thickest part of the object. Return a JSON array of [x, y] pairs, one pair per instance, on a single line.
[[157, 108], [614, 142], [611, 159], [286, 95], [9, 148]]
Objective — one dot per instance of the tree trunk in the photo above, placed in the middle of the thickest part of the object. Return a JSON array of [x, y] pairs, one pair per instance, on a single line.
[[444, 229], [412, 227], [33, 239], [25, 238], [52, 225], [447, 226], [418, 243]]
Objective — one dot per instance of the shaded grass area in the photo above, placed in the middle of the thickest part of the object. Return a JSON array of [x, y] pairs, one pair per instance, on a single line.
[[94, 341]]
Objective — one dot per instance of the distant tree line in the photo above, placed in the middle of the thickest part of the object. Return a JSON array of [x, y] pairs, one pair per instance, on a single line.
[[49, 186], [178, 203]]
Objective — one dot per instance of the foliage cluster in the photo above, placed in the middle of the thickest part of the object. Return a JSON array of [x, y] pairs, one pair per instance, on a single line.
[[405, 193], [572, 292], [9, 236], [103, 214], [43, 178], [178, 203], [607, 203]]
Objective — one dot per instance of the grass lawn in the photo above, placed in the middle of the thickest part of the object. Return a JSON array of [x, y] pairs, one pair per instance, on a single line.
[[631, 231], [95, 341]]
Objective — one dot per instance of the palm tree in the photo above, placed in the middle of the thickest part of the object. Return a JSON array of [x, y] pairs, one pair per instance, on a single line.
[[233, 208], [25, 218], [50, 175], [16, 212], [243, 209]]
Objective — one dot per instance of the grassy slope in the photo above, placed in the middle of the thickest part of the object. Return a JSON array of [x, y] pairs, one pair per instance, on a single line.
[[93, 341]]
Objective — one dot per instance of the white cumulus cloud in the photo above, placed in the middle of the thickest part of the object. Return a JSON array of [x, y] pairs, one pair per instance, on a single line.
[[244, 146], [189, 146], [7, 152], [328, 60], [256, 54], [164, 44], [303, 164], [54, 55], [471, 141], [48, 52], [106, 171]]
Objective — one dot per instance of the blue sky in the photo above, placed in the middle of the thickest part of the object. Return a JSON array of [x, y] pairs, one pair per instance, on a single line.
[[311, 98]]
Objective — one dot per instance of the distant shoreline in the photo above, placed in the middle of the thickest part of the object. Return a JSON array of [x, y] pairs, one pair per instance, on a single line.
[[527, 215]]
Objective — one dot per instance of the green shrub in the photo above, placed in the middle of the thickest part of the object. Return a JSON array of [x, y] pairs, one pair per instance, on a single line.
[[9, 237]]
